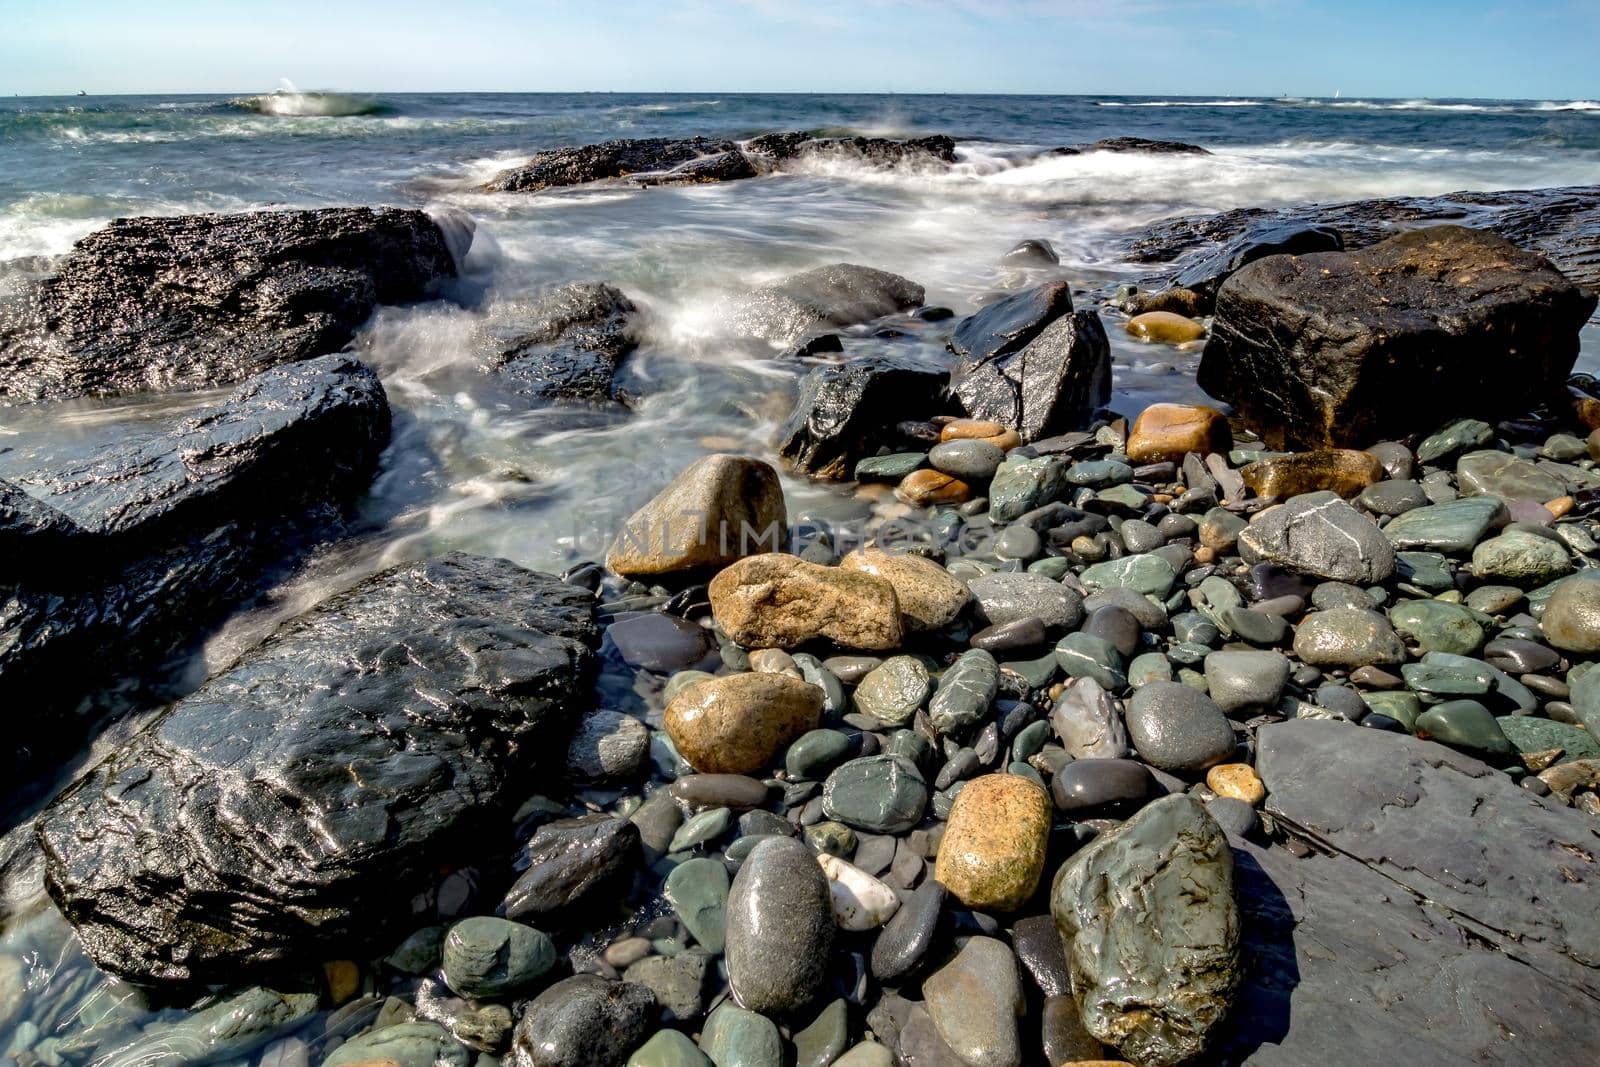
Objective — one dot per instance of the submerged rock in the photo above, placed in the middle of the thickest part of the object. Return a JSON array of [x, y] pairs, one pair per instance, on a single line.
[[573, 866], [1148, 916], [841, 294], [774, 150], [1348, 348], [1031, 363], [117, 560], [844, 410], [567, 344], [1144, 144], [196, 301], [293, 803], [582, 164]]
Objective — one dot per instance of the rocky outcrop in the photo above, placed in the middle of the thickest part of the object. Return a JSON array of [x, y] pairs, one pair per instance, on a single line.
[[114, 561], [196, 301], [845, 409], [290, 805], [1411, 931], [1348, 348], [1144, 144], [1031, 363], [814, 301], [582, 164], [700, 160], [568, 344], [1147, 916], [1561, 224]]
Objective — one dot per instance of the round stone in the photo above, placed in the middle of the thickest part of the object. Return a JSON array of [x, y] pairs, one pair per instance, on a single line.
[[1178, 728], [1571, 620], [583, 1020], [816, 753], [1165, 327], [1347, 637], [607, 745], [738, 723], [1003, 598], [1102, 786], [485, 957], [926, 488], [780, 927], [1246, 681], [697, 889], [993, 849], [892, 692], [974, 1001], [1438, 626], [970, 459], [1521, 558], [881, 794], [1237, 781], [1464, 724]]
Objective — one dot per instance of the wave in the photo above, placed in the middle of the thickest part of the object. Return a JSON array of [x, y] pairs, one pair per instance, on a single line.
[[1569, 105], [1180, 103], [315, 104]]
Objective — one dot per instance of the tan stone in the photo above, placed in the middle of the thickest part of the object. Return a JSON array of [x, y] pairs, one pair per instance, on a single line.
[[993, 849], [1571, 776], [1587, 409], [1236, 780], [1559, 506], [928, 487], [1594, 446], [343, 978], [777, 600], [980, 430], [738, 723], [1165, 327], [1345, 471], [930, 597], [718, 509], [1176, 300], [1170, 431]]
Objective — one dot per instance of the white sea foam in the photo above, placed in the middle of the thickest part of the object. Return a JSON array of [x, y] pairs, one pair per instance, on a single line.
[[1180, 103]]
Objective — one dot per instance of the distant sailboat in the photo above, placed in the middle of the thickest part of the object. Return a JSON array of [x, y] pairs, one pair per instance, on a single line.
[[1336, 94]]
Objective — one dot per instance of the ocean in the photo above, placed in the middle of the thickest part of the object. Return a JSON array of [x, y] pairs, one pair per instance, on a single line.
[[473, 469]]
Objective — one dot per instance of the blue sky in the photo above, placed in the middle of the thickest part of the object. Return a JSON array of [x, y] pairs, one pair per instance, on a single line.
[[1402, 48]]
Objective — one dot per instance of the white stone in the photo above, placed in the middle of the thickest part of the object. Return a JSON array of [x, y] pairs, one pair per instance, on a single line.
[[860, 901]]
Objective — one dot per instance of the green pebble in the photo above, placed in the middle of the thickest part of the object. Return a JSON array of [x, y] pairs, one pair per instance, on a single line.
[[697, 889], [1464, 724], [819, 1044], [706, 826]]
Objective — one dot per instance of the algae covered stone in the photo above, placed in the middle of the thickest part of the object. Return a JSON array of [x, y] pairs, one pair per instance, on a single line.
[[1148, 917]]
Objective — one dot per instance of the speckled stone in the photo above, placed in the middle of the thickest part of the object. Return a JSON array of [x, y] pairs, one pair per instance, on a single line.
[[1177, 728], [892, 692], [993, 849], [780, 926], [930, 597]]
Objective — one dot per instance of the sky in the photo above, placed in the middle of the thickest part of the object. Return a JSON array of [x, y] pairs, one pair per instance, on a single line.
[[1535, 49]]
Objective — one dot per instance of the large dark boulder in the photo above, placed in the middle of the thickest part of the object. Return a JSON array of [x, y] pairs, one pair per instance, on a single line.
[[846, 410], [1444, 915], [1340, 349], [108, 563], [582, 164], [840, 294], [197, 301], [568, 344], [1561, 224], [1032, 363], [288, 807], [1146, 145]]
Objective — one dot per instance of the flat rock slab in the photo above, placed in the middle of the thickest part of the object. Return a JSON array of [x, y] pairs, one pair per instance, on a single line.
[[195, 301], [1447, 916], [289, 806], [120, 557]]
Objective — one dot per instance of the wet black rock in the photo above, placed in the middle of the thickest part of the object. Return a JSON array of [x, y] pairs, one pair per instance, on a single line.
[[196, 301], [1206, 275], [1034, 252], [813, 301], [1349, 348], [1032, 363], [1144, 144], [568, 344], [730, 166], [780, 927], [771, 151], [116, 560], [582, 164], [584, 1021], [845, 409], [572, 866], [292, 805], [906, 938], [1441, 918]]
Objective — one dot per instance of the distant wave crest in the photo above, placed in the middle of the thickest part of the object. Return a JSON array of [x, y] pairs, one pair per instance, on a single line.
[[301, 104]]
